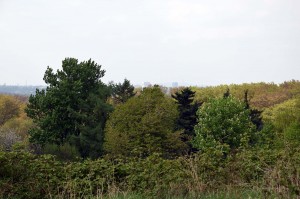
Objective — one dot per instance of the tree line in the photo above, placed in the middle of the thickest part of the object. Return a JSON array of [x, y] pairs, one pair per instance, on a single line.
[[74, 109], [147, 140]]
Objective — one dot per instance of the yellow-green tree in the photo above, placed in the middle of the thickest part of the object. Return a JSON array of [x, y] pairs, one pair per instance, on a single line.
[[143, 125], [9, 108], [286, 119]]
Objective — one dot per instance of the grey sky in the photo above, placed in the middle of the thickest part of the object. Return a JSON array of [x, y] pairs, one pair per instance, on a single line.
[[200, 42]]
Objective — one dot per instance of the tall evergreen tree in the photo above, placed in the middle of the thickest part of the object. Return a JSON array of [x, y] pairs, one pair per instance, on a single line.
[[73, 107], [227, 93], [122, 92], [255, 114], [187, 112]]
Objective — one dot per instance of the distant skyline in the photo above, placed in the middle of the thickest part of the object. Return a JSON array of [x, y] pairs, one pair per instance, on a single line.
[[193, 42]]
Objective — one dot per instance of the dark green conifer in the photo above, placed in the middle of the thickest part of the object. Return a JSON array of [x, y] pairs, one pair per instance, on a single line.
[[122, 92], [255, 114], [72, 109], [187, 112]]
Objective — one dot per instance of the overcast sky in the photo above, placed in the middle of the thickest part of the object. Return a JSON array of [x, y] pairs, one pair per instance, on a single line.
[[199, 42]]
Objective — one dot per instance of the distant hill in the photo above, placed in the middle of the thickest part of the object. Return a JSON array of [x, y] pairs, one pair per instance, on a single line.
[[19, 90]]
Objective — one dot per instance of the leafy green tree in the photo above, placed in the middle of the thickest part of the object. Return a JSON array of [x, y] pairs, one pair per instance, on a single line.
[[187, 112], [223, 124], [144, 125], [73, 107], [122, 92]]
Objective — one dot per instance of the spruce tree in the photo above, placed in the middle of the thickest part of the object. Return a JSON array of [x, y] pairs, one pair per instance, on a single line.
[[187, 112], [255, 114]]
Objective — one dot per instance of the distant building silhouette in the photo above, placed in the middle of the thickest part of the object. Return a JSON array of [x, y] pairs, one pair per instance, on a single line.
[[174, 84], [147, 84]]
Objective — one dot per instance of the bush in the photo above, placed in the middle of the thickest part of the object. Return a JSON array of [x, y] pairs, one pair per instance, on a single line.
[[154, 175], [64, 152], [284, 177], [273, 172], [24, 175]]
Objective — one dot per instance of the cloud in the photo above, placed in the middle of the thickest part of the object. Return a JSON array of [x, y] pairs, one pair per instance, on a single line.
[[201, 11], [182, 11], [139, 34]]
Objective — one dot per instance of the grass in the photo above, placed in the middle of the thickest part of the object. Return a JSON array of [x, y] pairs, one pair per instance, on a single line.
[[232, 194]]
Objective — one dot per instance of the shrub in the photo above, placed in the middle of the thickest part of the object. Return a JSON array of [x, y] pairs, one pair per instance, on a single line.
[[8, 138], [64, 152]]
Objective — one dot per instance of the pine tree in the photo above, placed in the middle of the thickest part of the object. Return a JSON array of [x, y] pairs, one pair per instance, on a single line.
[[72, 109], [122, 92]]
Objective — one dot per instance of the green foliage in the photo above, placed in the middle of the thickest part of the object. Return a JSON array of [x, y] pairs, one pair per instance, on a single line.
[[269, 173], [187, 112], [292, 133], [154, 175], [248, 165], [72, 109], [141, 132], [144, 125], [122, 92], [262, 95], [283, 177], [23, 175], [285, 118], [223, 125], [65, 152]]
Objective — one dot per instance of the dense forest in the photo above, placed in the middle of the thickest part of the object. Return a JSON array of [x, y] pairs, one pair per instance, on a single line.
[[81, 138]]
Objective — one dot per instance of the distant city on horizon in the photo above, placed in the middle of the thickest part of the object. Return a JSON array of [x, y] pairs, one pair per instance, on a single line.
[[31, 89]]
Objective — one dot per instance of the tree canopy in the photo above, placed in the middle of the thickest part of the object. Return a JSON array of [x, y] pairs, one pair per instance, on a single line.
[[286, 120], [122, 92], [9, 108], [187, 112], [73, 107], [144, 125], [223, 124]]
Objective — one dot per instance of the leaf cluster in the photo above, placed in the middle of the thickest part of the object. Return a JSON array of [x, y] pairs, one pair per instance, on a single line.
[[223, 124]]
